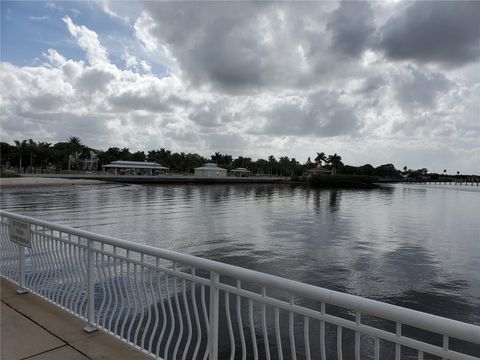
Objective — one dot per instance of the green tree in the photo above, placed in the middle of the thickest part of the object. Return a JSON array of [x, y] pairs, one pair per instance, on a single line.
[[139, 156], [241, 161], [309, 163], [227, 161], [21, 149], [321, 157], [216, 158], [7, 152], [272, 164], [387, 170], [335, 162], [32, 150], [261, 166], [45, 154], [74, 147], [284, 165]]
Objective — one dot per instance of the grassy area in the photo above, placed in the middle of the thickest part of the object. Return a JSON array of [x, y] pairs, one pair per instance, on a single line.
[[342, 181], [8, 174]]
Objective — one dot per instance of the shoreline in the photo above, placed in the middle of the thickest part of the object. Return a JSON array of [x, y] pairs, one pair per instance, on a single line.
[[47, 179], [41, 181]]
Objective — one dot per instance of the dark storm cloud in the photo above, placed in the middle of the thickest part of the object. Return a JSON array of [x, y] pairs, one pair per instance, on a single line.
[[351, 26], [213, 41], [322, 115], [444, 32], [244, 46]]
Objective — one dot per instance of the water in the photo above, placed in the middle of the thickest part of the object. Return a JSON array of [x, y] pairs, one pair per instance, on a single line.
[[410, 245]]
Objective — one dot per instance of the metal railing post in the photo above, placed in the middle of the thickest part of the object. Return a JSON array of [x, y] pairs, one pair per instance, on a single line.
[[90, 289], [21, 270], [214, 312]]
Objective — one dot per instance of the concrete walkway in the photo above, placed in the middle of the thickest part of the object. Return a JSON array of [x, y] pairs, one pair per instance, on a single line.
[[31, 328]]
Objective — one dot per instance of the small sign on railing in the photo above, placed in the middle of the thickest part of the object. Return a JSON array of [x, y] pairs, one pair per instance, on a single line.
[[20, 232]]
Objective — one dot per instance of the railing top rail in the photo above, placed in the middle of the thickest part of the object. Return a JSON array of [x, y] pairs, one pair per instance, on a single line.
[[433, 323]]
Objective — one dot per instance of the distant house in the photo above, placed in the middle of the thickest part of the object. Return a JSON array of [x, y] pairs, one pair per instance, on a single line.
[[91, 163], [241, 172], [210, 170], [319, 170], [135, 167]]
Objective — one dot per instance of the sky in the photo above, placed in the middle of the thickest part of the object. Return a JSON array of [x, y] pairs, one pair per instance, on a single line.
[[376, 82]]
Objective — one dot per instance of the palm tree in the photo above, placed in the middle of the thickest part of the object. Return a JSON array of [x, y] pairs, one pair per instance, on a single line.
[[335, 161], [44, 153], [321, 157], [405, 169], [21, 148], [445, 172], [32, 148], [74, 146], [272, 164], [217, 157], [74, 140]]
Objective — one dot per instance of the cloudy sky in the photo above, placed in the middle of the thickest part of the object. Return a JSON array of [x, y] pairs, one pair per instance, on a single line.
[[380, 82]]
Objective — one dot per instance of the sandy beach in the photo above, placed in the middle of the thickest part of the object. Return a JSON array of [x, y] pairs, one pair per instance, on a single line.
[[38, 181]]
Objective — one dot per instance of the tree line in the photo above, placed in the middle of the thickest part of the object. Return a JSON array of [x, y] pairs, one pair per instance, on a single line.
[[28, 155]]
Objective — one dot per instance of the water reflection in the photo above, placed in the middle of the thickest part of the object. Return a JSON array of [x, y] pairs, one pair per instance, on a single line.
[[417, 247]]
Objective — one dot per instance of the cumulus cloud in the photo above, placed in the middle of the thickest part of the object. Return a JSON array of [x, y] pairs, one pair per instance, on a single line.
[[416, 88], [321, 114], [258, 78], [143, 27], [88, 41], [444, 32], [94, 79], [96, 101], [244, 46]]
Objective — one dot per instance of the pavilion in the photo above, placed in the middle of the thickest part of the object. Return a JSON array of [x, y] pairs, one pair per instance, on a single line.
[[135, 167], [319, 170], [242, 172]]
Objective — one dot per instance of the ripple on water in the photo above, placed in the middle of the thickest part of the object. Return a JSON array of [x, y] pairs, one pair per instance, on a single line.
[[416, 246]]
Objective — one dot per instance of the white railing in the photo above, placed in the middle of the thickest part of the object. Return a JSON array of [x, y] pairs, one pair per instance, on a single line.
[[177, 306]]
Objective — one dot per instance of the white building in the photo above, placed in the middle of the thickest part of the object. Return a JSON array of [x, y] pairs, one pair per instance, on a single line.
[[210, 170], [91, 163], [135, 167]]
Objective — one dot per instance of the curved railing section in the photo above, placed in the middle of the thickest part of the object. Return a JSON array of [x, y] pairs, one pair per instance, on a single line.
[[177, 306]]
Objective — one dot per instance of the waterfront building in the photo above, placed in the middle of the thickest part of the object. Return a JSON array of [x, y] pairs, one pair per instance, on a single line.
[[242, 172], [135, 168], [319, 170], [91, 162], [210, 170]]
